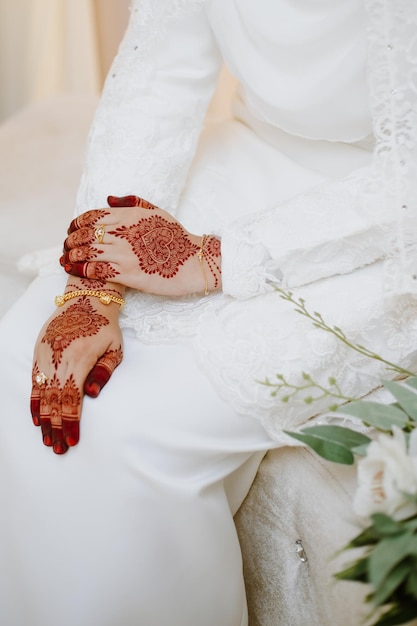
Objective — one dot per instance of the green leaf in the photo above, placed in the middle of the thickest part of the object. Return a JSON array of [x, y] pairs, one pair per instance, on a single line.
[[411, 586], [411, 381], [360, 450], [398, 615], [385, 525], [381, 416], [356, 571], [406, 399], [392, 582], [338, 434], [367, 537], [326, 449], [388, 553]]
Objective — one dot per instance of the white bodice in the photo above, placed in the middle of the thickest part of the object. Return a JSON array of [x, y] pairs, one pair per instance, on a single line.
[[300, 64]]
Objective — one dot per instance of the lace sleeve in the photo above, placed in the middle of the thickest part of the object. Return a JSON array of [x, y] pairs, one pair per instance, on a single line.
[[338, 236], [148, 122], [367, 216]]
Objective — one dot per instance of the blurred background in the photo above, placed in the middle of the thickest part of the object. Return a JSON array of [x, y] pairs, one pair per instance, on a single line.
[[53, 47]]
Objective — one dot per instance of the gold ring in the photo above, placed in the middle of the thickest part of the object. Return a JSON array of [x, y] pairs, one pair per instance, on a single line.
[[99, 233], [41, 378]]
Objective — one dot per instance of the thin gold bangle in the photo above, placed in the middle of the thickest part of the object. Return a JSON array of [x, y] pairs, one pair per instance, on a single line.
[[103, 296], [200, 255]]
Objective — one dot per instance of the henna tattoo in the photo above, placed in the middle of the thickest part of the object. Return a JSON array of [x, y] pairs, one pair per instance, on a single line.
[[35, 397], [51, 402], [129, 201], [79, 238], [78, 320], [89, 283], [96, 270], [50, 415], [111, 359], [212, 256], [84, 253], [160, 246], [60, 414], [70, 402], [102, 371], [87, 219]]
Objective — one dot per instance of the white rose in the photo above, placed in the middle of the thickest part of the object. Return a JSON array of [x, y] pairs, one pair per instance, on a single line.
[[385, 474]]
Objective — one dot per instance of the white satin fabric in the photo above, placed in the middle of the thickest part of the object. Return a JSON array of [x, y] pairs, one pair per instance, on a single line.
[[133, 526]]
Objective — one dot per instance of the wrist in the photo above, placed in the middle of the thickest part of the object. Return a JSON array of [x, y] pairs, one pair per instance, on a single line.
[[207, 276], [75, 283]]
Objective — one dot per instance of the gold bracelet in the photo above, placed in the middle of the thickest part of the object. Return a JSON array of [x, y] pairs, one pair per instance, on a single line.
[[200, 255], [105, 298]]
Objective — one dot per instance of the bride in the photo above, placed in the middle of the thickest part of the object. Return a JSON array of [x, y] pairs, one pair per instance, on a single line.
[[167, 318]]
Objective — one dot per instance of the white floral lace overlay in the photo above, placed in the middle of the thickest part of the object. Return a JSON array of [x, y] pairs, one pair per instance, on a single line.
[[146, 129], [392, 43], [337, 236], [157, 319], [246, 342]]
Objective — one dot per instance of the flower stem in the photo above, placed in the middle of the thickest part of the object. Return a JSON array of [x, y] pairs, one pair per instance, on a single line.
[[319, 322]]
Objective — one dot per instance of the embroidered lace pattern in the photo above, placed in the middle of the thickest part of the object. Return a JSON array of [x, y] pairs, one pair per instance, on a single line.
[[142, 150], [392, 37]]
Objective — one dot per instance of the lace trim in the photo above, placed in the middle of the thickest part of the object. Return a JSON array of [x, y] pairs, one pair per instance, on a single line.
[[392, 46]]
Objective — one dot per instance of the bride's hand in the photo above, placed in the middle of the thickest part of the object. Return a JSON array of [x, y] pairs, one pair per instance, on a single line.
[[138, 245], [76, 353]]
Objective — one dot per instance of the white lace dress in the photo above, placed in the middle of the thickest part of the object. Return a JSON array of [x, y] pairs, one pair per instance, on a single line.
[[134, 525]]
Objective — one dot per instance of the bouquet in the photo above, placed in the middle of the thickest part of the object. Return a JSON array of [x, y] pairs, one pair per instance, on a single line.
[[386, 495]]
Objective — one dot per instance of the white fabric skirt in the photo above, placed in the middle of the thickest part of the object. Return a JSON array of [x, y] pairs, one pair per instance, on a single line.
[[133, 525]]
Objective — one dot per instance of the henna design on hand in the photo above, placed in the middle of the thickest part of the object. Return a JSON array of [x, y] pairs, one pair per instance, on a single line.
[[160, 246], [78, 320], [102, 371], [59, 414], [79, 238], [96, 270], [50, 415], [129, 201], [84, 253], [70, 402], [89, 283], [87, 220], [35, 397], [212, 256]]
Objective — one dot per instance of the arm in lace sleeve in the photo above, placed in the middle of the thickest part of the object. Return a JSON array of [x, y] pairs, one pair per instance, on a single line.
[[148, 122], [323, 232]]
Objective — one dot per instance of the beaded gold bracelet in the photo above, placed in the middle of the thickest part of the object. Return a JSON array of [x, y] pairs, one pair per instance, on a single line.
[[104, 297]]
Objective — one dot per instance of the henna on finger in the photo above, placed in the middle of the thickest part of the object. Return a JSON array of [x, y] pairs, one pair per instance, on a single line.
[[161, 246], [88, 219], [129, 201], [50, 412], [78, 320], [35, 397], [79, 238], [70, 403], [102, 371], [84, 253], [96, 270]]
